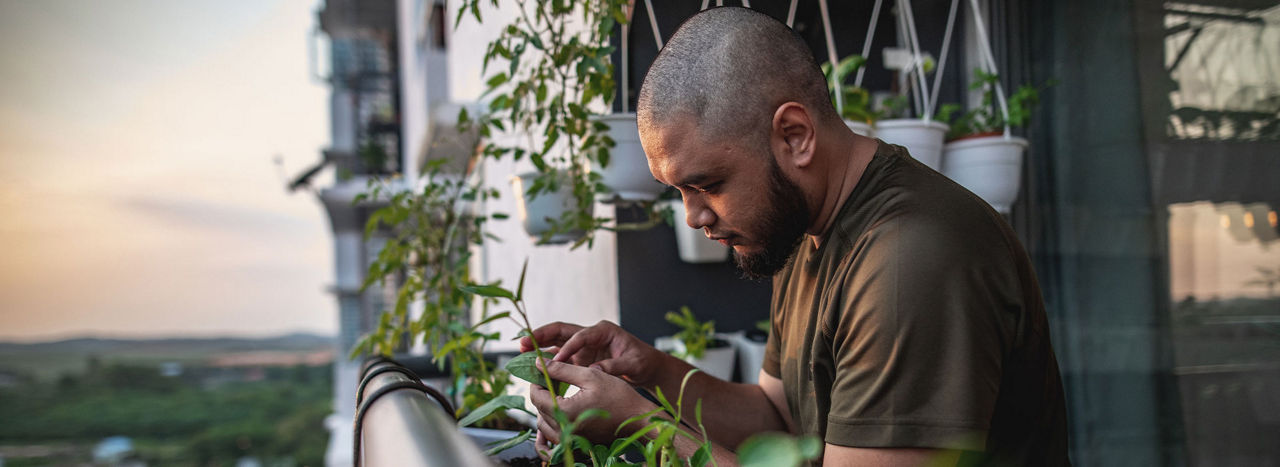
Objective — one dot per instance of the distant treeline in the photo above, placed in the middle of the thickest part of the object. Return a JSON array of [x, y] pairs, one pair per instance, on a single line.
[[176, 420]]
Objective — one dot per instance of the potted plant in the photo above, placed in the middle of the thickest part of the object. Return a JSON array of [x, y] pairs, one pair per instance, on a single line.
[[624, 170], [692, 244], [923, 137], [698, 344], [854, 105], [547, 199], [553, 72], [982, 155]]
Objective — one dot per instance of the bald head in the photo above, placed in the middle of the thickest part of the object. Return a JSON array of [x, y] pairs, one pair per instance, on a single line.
[[728, 69]]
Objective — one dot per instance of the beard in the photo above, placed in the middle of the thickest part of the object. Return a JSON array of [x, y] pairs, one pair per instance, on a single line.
[[782, 228]]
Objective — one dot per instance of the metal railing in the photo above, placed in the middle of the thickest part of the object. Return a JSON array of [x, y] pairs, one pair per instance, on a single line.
[[402, 422]]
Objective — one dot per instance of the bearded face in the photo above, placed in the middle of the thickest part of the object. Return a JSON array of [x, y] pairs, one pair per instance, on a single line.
[[780, 227]]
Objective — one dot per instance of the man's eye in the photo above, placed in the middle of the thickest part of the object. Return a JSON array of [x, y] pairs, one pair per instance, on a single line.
[[708, 187]]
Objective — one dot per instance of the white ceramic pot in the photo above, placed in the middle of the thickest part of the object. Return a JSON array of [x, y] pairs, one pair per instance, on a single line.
[[693, 244], [627, 174], [989, 166], [716, 361], [922, 139], [861, 128], [750, 357], [536, 214]]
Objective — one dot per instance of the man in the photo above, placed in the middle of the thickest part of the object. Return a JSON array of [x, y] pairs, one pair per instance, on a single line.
[[907, 326]]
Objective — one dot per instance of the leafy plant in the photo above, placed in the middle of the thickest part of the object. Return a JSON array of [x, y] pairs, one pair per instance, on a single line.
[[555, 72], [695, 335], [986, 117], [778, 449], [428, 260], [856, 100]]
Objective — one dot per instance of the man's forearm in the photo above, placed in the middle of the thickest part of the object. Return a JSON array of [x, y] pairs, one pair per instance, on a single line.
[[731, 412]]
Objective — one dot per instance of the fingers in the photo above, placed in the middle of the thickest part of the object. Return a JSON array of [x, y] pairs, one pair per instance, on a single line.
[[542, 399], [541, 447], [547, 433], [591, 341], [579, 376], [553, 334]]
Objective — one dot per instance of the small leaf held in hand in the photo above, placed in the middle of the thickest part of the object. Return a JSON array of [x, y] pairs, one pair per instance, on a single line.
[[525, 366]]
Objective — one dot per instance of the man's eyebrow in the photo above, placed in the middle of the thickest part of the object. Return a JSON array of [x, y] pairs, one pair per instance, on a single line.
[[694, 180]]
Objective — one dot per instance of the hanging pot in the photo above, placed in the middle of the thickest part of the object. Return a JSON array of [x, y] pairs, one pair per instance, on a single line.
[[627, 175], [861, 128], [693, 244], [923, 139], [989, 166], [536, 214]]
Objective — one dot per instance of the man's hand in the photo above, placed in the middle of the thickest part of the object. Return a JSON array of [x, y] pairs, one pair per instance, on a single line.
[[604, 346], [597, 389]]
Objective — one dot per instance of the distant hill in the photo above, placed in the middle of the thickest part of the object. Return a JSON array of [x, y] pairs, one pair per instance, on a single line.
[[46, 360], [296, 341]]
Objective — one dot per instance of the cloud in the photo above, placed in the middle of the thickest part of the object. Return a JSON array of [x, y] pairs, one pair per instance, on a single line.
[[205, 215]]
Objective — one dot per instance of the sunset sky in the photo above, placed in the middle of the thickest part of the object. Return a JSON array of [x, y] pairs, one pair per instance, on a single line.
[[138, 192]]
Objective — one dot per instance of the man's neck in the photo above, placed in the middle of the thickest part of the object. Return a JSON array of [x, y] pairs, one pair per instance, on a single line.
[[851, 156]]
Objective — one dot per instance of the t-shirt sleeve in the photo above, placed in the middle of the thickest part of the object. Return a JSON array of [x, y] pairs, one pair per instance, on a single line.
[[917, 335]]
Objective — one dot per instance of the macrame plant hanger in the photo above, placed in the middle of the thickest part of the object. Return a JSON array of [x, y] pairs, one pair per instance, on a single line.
[[989, 62], [626, 29]]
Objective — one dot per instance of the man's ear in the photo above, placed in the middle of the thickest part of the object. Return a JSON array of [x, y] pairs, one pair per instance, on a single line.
[[793, 138]]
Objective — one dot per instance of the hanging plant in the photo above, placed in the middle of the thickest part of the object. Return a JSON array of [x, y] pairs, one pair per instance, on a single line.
[[552, 69]]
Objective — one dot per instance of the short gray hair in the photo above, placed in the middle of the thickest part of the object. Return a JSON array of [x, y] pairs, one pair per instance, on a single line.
[[729, 69]]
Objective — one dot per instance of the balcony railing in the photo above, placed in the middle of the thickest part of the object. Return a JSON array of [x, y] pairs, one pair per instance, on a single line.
[[402, 422]]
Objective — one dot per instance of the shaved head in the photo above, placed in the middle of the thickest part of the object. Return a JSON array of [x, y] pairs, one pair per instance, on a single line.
[[729, 69]]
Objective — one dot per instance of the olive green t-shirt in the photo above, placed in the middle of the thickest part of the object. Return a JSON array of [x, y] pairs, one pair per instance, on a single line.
[[918, 322]]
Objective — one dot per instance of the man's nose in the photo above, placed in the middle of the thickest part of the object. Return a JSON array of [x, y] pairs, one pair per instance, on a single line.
[[697, 215]]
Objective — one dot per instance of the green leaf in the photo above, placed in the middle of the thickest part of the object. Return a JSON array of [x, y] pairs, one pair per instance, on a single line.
[[487, 291], [509, 401], [524, 366], [520, 288], [499, 446], [492, 319], [702, 456], [811, 447], [769, 450]]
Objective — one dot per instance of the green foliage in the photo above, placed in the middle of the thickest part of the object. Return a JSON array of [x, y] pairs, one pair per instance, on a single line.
[[427, 256], [857, 101], [778, 450], [694, 334], [494, 405], [180, 421], [987, 117], [548, 75]]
